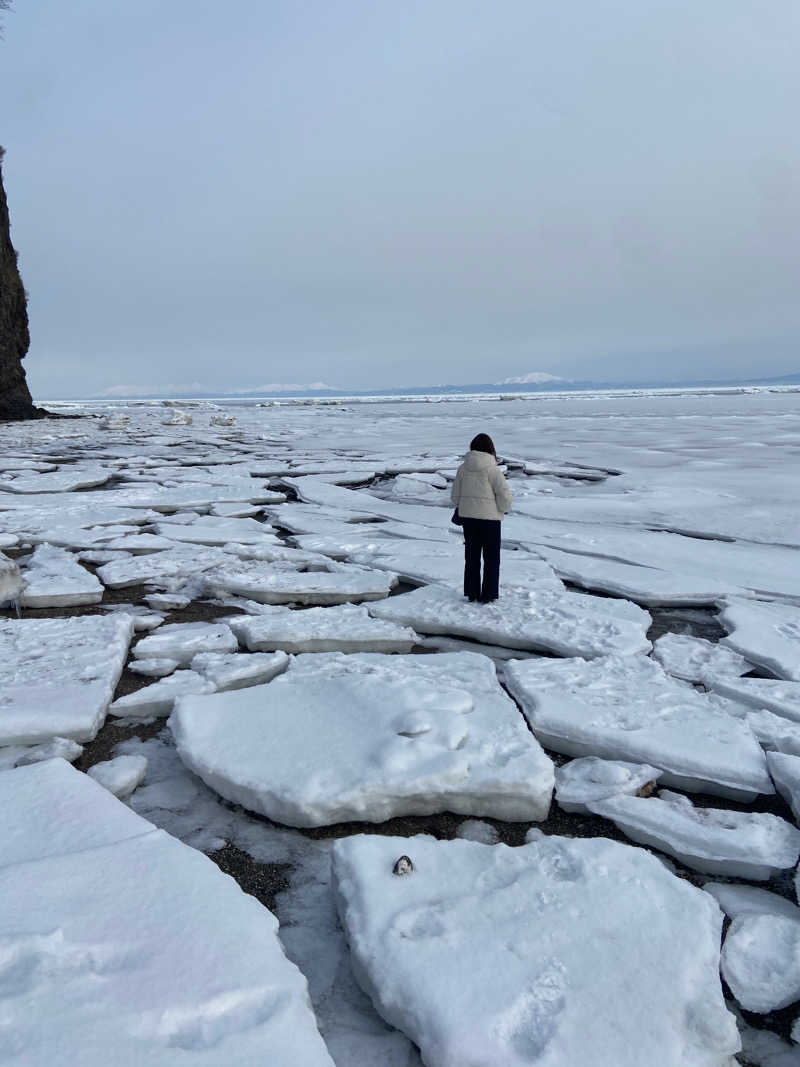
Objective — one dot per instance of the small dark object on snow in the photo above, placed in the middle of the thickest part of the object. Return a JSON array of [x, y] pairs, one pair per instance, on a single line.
[[403, 866], [647, 790]]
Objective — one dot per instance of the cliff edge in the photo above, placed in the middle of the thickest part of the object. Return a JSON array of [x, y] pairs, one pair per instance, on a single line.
[[15, 397]]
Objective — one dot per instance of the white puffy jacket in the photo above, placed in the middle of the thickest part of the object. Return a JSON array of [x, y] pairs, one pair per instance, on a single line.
[[480, 491]]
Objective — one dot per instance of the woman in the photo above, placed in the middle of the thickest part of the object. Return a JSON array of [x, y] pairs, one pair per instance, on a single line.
[[482, 497]]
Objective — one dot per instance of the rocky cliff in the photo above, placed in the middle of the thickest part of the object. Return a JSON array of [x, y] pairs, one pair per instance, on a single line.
[[15, 399]]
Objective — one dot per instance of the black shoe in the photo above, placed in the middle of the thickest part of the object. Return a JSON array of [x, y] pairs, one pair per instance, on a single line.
[[488, 599], [472, 599]]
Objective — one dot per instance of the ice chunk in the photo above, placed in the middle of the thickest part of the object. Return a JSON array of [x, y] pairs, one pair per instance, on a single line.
[[626, 707], [476, 830], [766, 634], [761, 961], [24, 755], [583, 780], [368, 736], [183, 640], [474, 955], [290, 586], [120, 775], [781, 697], [174, 564], [785, 771], [51, 809], [736, 900], [740, 844], [238, 670], [214, 530], [153, 668], [159, 698], [57, 676], [694, 659], [569, 624], [344, 628], [11, 583], [775, 733]]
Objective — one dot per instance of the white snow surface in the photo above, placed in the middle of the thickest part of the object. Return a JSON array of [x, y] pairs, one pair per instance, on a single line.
[[368, 736], [736, 900], [589, 778], [747, 845], [695, 660], [569, 624], [288, 585], [628, 708], [159, 698], [182, 641], [57, 676], [766, 634], [774, 732], [781, 697], [343, 628], [119, 775], [475, 956]]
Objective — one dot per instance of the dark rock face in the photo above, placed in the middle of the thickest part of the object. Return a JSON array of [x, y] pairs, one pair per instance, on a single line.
[[15, 398]]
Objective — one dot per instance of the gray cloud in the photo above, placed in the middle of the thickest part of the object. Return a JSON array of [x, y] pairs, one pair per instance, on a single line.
[[374, 194]]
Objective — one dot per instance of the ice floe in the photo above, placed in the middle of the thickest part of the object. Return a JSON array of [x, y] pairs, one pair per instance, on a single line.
[[182, 641], [156, 667], [736, 900], [11, 583], [569, 624], [343, 628], [781, 697], [287, 585], [213, 530], [761, 961], [774, 732], [234, 994], [587, 779], [695, 660], [119, 775], [57, 676], [368, 736], [23, 755], [785, 771], [766, 634], [747, 845], [628, 708], [239, 670], [158, 699], [54, 579], [474, 953]]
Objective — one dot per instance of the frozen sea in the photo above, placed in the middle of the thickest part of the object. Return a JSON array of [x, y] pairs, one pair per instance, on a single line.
[[158, 560]]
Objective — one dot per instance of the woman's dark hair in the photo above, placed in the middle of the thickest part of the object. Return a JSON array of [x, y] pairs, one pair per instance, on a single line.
[[483, 443]]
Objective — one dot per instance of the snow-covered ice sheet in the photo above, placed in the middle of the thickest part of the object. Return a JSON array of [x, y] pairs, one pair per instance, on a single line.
[[587, 779], [270, 585], [645, 585], [70, 478], [139, 977], [695, 660], [628, 708], [57, 676], [736, 900], [119, 775], [766, 634], [569, 624], [368, 736], [781, 697], [761, 961], [474, 954], [747, 845], [422, 562], [171, 565], [158, 699], [213, 530], [54, 578], [785, 771], [238, 670], [183, 640], [344, 628], [153, 668], [50, 809]]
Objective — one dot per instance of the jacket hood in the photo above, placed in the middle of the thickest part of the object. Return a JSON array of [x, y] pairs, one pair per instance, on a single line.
[[478, 461]]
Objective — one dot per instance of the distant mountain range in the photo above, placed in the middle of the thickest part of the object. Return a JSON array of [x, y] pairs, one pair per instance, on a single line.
[[535, 382]]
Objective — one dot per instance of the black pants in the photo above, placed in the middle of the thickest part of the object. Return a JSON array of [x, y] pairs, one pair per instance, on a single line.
[[481, 536]]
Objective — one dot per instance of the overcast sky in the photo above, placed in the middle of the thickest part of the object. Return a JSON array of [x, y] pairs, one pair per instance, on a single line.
[[370, 193]]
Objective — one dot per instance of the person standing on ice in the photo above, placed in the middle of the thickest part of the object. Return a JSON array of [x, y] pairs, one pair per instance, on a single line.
[[481, 497]]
